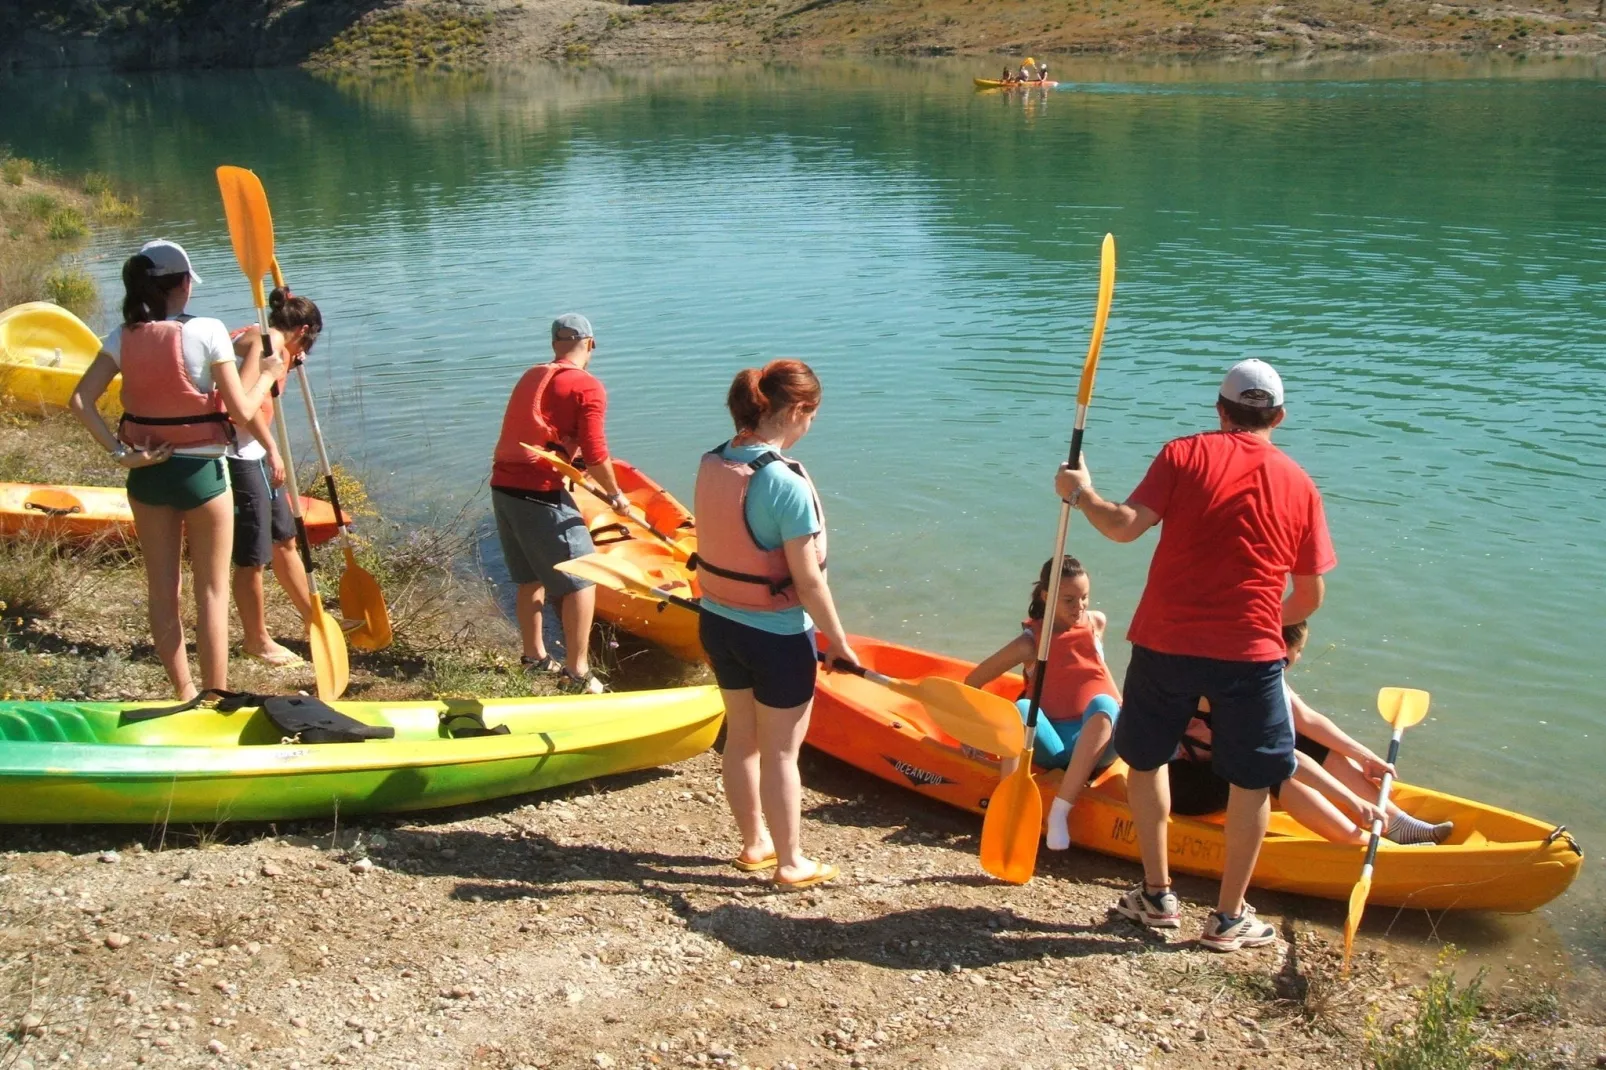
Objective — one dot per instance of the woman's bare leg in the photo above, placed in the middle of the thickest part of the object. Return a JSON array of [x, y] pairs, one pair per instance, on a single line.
[[741, 767], [780, 737], [211, 537], [161, 543]]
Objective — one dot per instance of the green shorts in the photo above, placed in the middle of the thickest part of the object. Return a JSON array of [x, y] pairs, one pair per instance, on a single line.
[[181, 483]]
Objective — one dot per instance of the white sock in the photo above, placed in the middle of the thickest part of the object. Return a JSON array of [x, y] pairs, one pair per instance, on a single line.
[[1059, 833]]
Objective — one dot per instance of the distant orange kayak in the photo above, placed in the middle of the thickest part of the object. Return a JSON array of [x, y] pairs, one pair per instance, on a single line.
[[671, 628], [994, 83], [102, 512], [1495, 860]]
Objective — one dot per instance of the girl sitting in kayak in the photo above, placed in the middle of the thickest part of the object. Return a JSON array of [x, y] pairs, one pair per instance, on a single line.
[[1333, 784], [1080, 700]]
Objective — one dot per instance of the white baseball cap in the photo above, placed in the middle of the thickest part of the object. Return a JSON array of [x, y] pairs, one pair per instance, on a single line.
[[168, 258], [1253, 383]]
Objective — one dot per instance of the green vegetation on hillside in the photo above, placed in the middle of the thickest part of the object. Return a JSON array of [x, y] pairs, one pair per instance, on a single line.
[[437, 34], [43, 218]]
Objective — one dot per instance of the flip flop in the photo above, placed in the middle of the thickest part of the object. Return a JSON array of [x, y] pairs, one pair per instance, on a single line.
[[767, 862], [279, 659], [823, 871]]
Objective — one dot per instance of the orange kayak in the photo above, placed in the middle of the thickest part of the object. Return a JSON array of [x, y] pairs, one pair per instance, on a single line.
[[1495, 860], [994, 83], [670, 627], [102, 512]]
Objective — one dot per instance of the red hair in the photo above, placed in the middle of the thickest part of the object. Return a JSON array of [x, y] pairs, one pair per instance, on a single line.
[[779, 385]]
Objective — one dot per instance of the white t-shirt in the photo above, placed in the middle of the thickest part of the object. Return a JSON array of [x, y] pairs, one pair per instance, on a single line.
[[205, 342]]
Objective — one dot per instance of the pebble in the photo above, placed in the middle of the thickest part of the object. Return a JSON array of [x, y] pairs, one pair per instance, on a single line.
[[1600, 1059], [449, 853], [216, 1047], [1166, 1045], [378, 841], [271, 870], [298, 1022], [780, 1003], [362, 865], [603, 1060], [32, 1023], [110, 857], [117, 940], [1201, 1034]]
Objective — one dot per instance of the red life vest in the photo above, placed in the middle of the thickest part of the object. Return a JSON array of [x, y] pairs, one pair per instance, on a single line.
[[525, 424], [1076, 672], [279, 380], [732, 568], [158, 396]]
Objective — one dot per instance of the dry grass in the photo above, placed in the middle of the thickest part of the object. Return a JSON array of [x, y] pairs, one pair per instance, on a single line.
[[43, 219]]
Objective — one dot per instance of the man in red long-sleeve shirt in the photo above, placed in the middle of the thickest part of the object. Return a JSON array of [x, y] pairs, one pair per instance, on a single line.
[[560, 407]]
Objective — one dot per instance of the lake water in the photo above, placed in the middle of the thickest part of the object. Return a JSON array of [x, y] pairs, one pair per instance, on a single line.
[[1419, 245]]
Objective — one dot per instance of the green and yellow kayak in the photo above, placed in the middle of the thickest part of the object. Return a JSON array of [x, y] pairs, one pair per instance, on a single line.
[[85, 762]]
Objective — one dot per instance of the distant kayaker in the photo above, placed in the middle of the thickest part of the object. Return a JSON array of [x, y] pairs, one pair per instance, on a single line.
[[559, 407], [1042, 72], [180, 393], [1080, 701], [1026, 73], [761, 565], [264, 528], [1333, 785], [1240, 521], [1006, 77]]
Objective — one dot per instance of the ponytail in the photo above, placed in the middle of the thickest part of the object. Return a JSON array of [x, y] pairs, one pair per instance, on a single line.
[[144, 294], [1071, 569], [780, 385], [286, 311]]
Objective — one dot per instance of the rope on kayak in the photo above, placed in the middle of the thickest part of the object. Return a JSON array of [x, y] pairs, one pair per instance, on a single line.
[[1558, 833]]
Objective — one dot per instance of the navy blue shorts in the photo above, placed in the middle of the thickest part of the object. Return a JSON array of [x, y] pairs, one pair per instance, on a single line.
[[1252, 729], [778, 669]]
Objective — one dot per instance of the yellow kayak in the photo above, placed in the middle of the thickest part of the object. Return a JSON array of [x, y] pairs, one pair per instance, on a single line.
[[44, 351], [994, 83], [103, 512]]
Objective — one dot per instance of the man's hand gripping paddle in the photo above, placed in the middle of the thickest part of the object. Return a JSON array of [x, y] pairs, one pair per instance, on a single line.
[[1014, 822], [245, 204], [1401, 707], [974, 717]]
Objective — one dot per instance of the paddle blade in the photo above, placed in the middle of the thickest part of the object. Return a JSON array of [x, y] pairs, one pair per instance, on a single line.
[[1402, 707], [614, 573], [245, 205], [1090, 367], [329, 658], [1013, 826], [1357, 907], [978, 718], [567, 470], [361, 599]]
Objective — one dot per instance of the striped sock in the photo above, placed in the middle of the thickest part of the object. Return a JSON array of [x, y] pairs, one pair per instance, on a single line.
[[1407, 829]]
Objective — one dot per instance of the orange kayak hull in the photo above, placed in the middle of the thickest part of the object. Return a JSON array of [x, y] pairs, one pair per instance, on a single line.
[[994, 83], [671, 627], [103, 513], [1496, 860]]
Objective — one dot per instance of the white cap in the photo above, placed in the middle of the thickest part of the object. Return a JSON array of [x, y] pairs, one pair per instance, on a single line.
[[168, 258], [1253, 383]]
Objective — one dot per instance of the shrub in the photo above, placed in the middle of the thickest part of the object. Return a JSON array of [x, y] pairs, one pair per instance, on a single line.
[[65, 223], [16, 169], [74, 290], [96, 183], [40, 206], [110, 207], [1443, 1035], [38, 576]]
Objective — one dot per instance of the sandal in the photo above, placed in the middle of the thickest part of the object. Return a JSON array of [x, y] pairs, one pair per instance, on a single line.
[[769, 861], [823, 871], [544, 664], [277, 659], [589, 684]]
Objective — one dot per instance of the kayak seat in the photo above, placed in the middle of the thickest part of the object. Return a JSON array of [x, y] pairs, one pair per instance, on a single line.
[[45, 723]]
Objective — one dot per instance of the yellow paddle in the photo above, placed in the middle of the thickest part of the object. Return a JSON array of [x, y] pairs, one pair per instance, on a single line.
[[1401, 707], [245, 204], [578, 477], [360, 596], [988, 722], [1014, 821]]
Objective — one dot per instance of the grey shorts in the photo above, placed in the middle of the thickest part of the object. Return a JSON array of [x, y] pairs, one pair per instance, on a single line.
[[536, 536]]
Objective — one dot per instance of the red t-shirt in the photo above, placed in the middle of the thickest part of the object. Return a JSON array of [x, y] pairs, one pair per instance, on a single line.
[[1238, 517], [574, 405]]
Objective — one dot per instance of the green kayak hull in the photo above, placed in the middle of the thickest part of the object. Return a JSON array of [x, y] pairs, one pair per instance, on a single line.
[[81, 762]]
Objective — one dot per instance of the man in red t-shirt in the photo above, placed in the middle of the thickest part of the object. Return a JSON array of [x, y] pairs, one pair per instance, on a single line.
[[1239, 520], [559, 407]]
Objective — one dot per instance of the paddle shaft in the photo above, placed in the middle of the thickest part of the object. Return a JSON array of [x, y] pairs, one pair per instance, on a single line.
[[1052, 596], [1382, 805], [282, 433], [323, 454]]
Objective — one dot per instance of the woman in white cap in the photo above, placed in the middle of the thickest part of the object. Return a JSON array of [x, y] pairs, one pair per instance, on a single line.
[[182, 394]]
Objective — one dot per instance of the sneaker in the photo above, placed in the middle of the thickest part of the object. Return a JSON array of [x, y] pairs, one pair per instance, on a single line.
[[1156, 911], [1222, 933], [589, 684]]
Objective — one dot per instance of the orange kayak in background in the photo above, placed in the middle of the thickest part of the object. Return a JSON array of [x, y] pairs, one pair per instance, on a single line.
[[102, 512], [1495, 860], [671, 627], [994, 83]]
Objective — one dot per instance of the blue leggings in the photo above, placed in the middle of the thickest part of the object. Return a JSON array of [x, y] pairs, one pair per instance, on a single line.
[[1055, 740]]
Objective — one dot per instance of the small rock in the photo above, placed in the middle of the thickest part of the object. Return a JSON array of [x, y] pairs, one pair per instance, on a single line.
[[603, 1060], [298, 1022], [216, 1047], [378, 841], [369, 1038], [449, 853], [1258, 1042], [1201, 1034], [780, 1003], [110, 857], [32, 1023], [362, 865], [116, 941], [271, 870], [1600, 1059], [253, 948], [1166, 1045]]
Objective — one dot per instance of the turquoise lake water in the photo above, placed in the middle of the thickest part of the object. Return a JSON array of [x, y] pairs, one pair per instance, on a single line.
[[1419, 245]]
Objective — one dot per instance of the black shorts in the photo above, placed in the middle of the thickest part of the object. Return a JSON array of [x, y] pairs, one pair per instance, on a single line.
[[1252, 731], [261, 514], [778, 669], [1196, 789], [1318, 751]]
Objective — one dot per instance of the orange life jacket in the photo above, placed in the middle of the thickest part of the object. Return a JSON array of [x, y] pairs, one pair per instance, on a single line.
[[732, 568], [1075, 670], [525, 424], [279, 380], [159, 400]]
